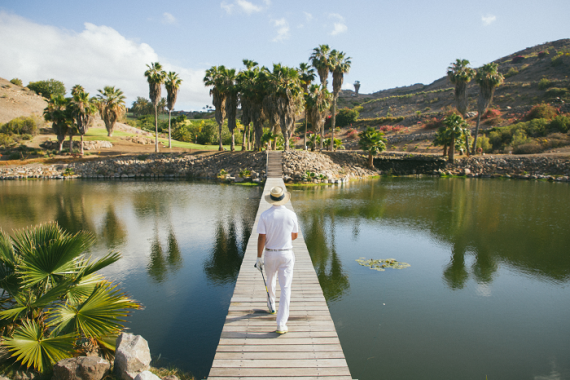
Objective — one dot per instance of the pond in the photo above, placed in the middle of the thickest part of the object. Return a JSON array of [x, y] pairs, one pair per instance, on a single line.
[[486, 292]]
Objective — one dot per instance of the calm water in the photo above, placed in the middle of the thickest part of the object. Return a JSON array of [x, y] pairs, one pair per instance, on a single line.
[[487, 292], [182, 246]]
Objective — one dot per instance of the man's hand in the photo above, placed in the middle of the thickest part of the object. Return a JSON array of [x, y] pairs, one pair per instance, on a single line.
[[259, 264]]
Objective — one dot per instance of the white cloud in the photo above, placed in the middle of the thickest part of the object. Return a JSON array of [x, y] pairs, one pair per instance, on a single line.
[[97, 56], [244, 5], [308, 16], [488, 20], [167, 18], [339, 26], [282, 29]]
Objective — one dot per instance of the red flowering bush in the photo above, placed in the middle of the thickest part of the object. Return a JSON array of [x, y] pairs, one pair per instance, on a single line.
[[434, 123], [542, 54], [518, 59], [491, 114]]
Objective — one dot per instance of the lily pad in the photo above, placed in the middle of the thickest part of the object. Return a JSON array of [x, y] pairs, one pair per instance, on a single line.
[[381, 264]]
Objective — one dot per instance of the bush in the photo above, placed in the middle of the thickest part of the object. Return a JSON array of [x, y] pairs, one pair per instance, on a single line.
[[557, 61], [544, 83], [483, 143], [6, 140], [537, 127], [518, 59], [48, 87], [541, 111], [20, 126], [16, 81], [560, 123], [556, 92], [434, 123], [542, 54], [491, 114], [528, 148], [346, 117], [512, 71]]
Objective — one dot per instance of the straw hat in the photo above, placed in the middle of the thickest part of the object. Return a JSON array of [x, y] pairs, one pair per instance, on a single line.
[[278, 196]]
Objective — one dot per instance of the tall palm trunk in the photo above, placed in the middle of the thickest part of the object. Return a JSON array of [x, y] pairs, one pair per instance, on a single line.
[[305, 139], [169, 135], [333, 122], [156, 128], [81, 144], [452, 148], [221, 148], [233, 144], [70, 143], [474, 151], [245, 128]]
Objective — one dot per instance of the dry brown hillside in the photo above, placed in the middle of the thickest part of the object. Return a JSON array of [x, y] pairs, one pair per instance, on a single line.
[[18, 101]]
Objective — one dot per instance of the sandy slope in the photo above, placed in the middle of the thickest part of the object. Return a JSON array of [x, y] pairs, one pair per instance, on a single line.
[[18, 101]]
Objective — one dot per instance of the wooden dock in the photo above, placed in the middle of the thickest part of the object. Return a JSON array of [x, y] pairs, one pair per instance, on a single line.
[[249, 348]]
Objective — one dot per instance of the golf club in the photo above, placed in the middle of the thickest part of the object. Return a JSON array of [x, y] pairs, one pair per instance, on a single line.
[[267, 291]]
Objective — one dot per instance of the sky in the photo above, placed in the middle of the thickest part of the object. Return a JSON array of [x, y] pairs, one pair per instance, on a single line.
[[391, 43]]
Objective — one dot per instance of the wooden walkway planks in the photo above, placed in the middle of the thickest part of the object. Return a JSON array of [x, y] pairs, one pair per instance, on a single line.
[[249, 349]]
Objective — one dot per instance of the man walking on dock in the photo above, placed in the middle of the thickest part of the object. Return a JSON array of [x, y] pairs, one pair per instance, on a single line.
[[277, 229]]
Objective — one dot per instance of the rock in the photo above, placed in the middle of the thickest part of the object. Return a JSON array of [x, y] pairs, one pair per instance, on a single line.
[[170, 377], [81, 368], [132, 356], [466, 171], [147, 375]]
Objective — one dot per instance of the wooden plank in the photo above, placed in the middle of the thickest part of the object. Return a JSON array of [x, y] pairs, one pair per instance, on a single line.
[[250, 349]]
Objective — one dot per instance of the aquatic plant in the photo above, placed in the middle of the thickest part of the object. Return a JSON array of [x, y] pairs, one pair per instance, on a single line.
[[381, 264]]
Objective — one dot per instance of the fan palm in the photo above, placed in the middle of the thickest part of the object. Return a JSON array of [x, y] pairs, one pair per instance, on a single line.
[[460, 74], [253, 84], [172, 85], [216, 77], [77, 89], [320, 61], [58, 113], [318, 101], [155, 77], [306, 75], [232, 90], [111, 104], [55, 296], [373, 142], [488, 78], [455, 126], [83, 110], [339, 64], [356, 87], [245, 114]]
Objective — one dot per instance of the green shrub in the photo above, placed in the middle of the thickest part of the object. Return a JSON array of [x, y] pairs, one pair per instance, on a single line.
[[6, 140], [537, 127], [20, 126], [15, 155], [555, 91], [557, 61], [560, 123], [531, 147], [544, 83], [519, 138], [346, 117], [511, 72], [16, 81], [541, 111], [48, 87], [483, 143], [209, 134]]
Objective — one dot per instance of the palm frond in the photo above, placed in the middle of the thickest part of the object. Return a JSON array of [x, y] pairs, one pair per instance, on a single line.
[[33, 349]]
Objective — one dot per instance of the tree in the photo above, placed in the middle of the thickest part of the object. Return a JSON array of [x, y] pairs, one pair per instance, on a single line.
[[155, 77], [142, 106], [58, 113], [320, 61], [253, 90], [216, 77], [111, 105], [488, 78], [232, 92], [455, 126], [285, 96], [356, 87], [244, 100], [373, 142], [460, 74], [77, 89], [172, 85], [82, 109], [53, 298], [442, 138], [47, 88], [306, 75], [318, 101], [16, 81], [339, 64]]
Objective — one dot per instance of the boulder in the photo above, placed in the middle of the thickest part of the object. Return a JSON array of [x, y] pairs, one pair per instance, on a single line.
[[132, 356], [147, 375], [81, 368]]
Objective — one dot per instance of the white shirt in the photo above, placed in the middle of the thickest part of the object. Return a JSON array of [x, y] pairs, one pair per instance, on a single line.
[[277, 223]]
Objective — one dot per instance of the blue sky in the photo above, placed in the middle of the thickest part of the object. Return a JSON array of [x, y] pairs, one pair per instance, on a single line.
[[392, 43]]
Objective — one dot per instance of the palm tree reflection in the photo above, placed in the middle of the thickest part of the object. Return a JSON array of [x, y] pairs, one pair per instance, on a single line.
[[224, 263]]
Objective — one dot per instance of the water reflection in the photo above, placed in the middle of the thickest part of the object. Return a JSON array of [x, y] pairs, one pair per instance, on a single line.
[[113, 232]]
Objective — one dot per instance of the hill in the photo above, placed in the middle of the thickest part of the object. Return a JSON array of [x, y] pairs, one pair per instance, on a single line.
[[18, 101]]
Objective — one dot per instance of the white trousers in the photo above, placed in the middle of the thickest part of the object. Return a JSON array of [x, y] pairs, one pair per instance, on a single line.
[[280, 264]]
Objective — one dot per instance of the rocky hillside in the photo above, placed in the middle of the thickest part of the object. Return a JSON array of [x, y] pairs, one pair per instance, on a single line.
[[18, 101], [522, 88]]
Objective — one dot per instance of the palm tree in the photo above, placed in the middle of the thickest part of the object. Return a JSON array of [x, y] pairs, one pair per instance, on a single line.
[[142, 106], [111, 104], [373, 142], [460, 74], [306, 75], [216, 77], [77, 89], [57, 112], [320, 61], [356, 87], [172, 85], [455, 129], [253, 84], [232, 92], [83, 109], [488, 78], [155, 77], [55, 299], [339, 64], [318, 101]]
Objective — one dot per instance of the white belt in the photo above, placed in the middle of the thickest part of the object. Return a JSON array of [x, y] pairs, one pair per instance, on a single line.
[[276, 250]]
